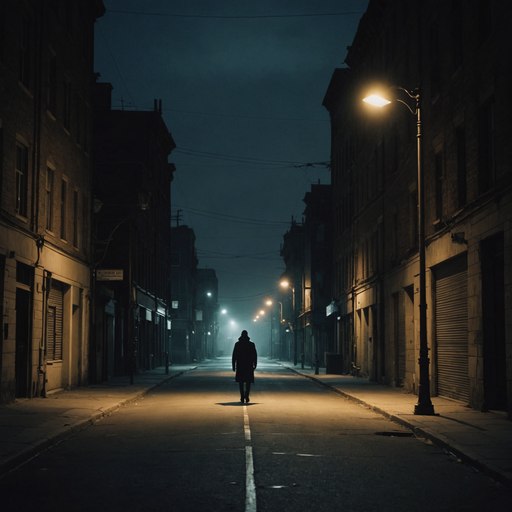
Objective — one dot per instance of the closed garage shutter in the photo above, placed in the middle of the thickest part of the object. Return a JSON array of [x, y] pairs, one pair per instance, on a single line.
[[452, 329], [55, 310]]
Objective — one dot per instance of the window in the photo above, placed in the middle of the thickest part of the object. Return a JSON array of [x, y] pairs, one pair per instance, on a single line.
[[461, 166], [67, 105], [393, 148], [49, 198], [484, 19], [434, 60], [439, 184], [86, 38], [21, 180], [63, 209], [1, 157], [87, 117], [3, 18], [76, 223], [394, 235], [486, 140], [68, 6], [79, 119], [456, 21], [51, 84], [25, 51]]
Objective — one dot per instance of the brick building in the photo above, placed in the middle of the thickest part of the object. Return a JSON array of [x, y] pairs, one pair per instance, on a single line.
[[292, 252], [315, 324], [454, 51], [132, 238], [307, 254], [46, 76], [183, 295]]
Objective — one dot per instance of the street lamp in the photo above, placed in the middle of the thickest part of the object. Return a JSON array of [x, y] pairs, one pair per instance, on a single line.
[[232, 330], [424, 405], [286, 284]]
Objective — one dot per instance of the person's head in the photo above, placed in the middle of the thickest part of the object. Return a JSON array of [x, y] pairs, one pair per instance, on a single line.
[[244, 335]]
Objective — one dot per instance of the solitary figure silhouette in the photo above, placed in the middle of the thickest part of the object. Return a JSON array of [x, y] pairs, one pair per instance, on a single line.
[[244, 360]]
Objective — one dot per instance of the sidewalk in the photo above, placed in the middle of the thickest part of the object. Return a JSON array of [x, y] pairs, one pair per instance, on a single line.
[[483, 440], [29, 426]]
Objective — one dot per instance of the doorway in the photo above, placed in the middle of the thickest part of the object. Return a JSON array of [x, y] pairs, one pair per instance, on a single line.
[[21, 365], [493, 321]]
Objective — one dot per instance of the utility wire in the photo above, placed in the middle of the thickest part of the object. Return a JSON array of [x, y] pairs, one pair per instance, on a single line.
[[206, 154], [250, 160], [114, 61], [233, 217], [237, 17]]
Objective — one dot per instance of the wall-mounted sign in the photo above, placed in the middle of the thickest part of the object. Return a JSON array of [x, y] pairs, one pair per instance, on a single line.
[[109, 275], [331, 308]]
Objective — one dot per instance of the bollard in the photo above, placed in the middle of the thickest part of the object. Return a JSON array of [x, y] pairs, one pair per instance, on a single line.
[[167, 363], [302, 357], [317, 366]]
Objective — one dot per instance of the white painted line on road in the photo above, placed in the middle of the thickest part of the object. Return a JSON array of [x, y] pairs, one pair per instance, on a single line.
[[247, 428], [250, 486]]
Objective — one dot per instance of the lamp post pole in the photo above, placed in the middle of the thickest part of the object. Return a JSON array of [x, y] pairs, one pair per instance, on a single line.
[[286, 284], [294, 325], [269, 303], [424, 405], [279, 341]]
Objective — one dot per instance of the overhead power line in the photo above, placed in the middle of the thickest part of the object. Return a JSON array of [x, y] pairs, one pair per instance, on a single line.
[[241, 159], [238, 17], [233, 218], [206, 154], [270, 255]]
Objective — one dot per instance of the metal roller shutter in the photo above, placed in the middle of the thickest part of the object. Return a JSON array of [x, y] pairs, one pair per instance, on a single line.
[[452, 329], [55, 310]]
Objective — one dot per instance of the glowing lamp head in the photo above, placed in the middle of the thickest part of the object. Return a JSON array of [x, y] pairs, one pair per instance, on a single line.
[[376, 100]]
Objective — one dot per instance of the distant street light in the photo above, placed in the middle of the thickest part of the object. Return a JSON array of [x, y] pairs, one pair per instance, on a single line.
[[424, 405], [286, 284]]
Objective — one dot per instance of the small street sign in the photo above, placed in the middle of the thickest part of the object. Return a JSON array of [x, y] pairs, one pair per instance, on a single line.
[[109, 275]]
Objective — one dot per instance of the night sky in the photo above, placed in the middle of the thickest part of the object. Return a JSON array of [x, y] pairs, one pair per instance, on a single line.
[[242, 85]]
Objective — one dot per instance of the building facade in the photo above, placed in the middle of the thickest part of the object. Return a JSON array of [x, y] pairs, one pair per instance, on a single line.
[[316, 325], [183, 295], [131, 238], [292, 252], [207, 304], [46, 76], [453, 57]]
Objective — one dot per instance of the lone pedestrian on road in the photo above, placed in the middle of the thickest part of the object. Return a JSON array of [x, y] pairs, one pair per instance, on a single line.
[[244, 362]]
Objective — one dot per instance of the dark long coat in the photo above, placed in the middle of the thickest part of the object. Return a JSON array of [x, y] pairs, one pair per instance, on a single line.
[[244, 360]]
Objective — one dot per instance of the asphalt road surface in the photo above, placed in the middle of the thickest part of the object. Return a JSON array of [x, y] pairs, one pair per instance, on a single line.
[[192, 446]]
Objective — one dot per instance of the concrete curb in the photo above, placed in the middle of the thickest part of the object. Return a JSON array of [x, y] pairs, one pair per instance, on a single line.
[[425, 433], [33, 449]]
